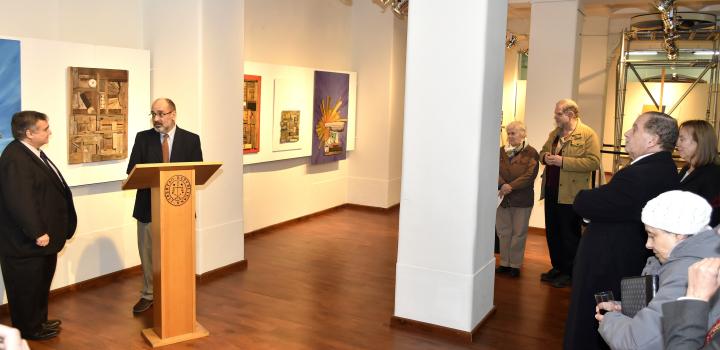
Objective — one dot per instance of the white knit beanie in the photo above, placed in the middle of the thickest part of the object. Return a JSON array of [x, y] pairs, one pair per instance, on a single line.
[[679, 212]]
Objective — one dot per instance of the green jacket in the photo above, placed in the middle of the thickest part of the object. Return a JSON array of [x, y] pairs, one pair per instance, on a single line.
[[581, 156]]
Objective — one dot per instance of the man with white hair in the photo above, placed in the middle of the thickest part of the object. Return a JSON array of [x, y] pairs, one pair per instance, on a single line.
[[678, 233], [613, 244]]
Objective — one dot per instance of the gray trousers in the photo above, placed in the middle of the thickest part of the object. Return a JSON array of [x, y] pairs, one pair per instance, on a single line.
[[512, 227], [144, 238]]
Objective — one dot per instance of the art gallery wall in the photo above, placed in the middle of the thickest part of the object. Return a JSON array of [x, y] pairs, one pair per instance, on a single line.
[[330, 35], [192, 54]]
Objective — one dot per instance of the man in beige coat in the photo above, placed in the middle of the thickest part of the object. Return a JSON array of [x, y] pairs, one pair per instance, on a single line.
[[570, 154]]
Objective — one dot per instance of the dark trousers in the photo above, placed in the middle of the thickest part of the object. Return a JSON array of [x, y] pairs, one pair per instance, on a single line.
[[562, 231], [27, 282]]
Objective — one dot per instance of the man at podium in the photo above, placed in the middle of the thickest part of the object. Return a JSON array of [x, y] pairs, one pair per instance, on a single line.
[[164, 143]]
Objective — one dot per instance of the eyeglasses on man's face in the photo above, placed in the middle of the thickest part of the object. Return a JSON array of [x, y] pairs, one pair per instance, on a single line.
[[154, 114]]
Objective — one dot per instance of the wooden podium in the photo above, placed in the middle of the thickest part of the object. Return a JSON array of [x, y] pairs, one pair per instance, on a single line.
[[173, 236]]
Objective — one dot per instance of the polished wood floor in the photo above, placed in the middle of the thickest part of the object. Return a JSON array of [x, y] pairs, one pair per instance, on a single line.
[[325, 282]]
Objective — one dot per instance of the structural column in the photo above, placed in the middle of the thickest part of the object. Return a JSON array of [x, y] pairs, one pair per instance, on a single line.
[[553, 67], [203, 74], [378, 56], [445, 267], [553, 63]]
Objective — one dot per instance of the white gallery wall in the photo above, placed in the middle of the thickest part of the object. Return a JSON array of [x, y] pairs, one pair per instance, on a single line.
[[333, 35], [193, 50]]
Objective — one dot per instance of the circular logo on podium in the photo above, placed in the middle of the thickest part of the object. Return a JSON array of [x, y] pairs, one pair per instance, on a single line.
[[177, 190]]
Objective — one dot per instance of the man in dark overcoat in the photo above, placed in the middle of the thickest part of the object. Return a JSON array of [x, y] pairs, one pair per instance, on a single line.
[[613, 245], [37, 216]]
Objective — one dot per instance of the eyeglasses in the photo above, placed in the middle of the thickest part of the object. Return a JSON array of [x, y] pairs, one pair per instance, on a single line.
[[159, 114]]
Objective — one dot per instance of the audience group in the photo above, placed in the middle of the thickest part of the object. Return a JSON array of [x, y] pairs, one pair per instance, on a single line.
[[649, 219]]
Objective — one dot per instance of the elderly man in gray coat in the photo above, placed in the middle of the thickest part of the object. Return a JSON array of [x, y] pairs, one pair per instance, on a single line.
[[678, 233]]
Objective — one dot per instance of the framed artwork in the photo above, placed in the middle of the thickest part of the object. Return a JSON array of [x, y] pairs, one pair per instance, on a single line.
[[9, 87], [251, 114], [97, 126], [289, 126], [292, 101], [330, 117]]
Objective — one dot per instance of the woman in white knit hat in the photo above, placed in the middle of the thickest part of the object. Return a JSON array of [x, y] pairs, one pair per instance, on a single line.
[[676, 223]]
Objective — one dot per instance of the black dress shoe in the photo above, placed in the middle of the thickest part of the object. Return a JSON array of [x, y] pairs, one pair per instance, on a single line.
[[142, 305], [52, 324], [42, 334], [514, 272], [550, 276], [562, 281], [503, 269]]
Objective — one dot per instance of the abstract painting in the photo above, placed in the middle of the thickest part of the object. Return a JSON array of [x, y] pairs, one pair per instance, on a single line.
[[330, 113], [9, 87], [289, 126], [97, 127], [251, 114]]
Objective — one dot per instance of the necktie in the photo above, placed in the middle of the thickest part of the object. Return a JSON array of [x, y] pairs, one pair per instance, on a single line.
[[166, 148], [44, 158], [52, 168]]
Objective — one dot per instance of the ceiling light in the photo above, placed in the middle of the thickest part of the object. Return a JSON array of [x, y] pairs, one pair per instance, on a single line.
[[705, 53], [642, 53]]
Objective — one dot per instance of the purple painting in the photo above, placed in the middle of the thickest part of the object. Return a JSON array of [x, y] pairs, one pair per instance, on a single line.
[[330, 113]]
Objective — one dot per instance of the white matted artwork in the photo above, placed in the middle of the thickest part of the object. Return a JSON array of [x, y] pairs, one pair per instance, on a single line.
[[291, 114], [291, 92], [44, 80]]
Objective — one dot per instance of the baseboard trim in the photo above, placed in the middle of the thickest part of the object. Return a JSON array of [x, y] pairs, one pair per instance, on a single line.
[[93, 282], [536, 231], [136, 270], [439, 331], [266, 229], [221, 272]]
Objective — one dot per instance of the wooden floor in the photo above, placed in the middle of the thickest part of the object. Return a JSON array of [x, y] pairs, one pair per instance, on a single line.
[[326, 282]]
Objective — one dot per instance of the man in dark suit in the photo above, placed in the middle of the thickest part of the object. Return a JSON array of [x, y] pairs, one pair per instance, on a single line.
[[613, 245], [165, 142], [37, 216]]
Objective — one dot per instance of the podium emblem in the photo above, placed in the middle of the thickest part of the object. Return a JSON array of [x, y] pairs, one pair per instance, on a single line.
[[177, 190]]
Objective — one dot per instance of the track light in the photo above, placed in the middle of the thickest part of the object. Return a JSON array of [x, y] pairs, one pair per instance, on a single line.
[[400, 7]]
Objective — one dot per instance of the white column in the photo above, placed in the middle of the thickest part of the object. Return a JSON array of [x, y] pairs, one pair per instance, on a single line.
[[553, 65], [220, 236], [378, 57], [203, 74], [445, 268], [593, 71]]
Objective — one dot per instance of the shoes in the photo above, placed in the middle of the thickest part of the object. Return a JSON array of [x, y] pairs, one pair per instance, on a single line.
[[142, 305], [562, 281], [503, 269], [52, 324], [42, 334], [550, 276], [514, 272]]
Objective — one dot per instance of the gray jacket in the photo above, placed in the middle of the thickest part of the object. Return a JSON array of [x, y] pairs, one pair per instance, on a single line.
[[644, 331]]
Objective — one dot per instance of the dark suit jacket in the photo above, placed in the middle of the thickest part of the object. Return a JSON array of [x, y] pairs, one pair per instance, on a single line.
[[685, 325], [705, 182], [148, 149], [613, 245], [33, 201]]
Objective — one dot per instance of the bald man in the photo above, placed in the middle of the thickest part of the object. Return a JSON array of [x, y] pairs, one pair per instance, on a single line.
[[165, 142]]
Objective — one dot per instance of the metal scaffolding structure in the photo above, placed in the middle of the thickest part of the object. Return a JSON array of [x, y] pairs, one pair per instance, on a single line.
[[704, 39]]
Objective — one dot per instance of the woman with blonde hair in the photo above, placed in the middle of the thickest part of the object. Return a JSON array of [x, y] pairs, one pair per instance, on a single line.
[[698, 146], [518, 170]]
